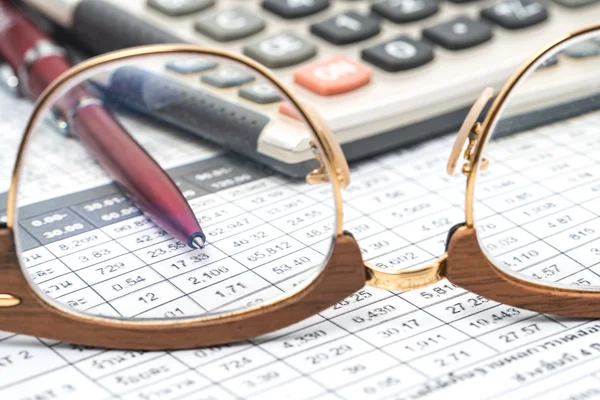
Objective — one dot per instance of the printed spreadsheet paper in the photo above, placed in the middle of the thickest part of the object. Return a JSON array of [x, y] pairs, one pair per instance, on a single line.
[[440, 342]]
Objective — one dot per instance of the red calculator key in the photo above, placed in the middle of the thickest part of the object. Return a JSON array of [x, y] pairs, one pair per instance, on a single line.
[[335, 75]]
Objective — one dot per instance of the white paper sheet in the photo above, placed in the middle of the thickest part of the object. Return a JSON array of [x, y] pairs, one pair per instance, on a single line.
[[439, 342]]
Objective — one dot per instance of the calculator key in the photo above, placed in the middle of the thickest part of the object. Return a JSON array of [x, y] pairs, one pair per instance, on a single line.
[[281, 50], [582, 50], [260, 93], [516, 14], [231, 24], [290, 9], [575, 3], [548, 62], [401, 11], [459, 33], [336, 75], [346, 28], [176, 8], [399, 54], [226, 77], [190, 66]]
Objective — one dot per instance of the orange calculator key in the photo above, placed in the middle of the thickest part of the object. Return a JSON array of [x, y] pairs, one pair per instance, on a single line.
[[335, 75]]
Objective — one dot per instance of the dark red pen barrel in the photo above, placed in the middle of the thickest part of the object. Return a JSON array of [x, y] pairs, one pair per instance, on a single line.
[[43, 72], [38, 62], [19, 39], [17, 35], [134, 170]]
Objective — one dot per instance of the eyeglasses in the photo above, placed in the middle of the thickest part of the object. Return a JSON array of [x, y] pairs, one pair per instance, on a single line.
[[87, 258]]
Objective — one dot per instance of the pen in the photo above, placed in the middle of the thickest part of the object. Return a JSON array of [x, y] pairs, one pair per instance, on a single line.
[[36, 62]]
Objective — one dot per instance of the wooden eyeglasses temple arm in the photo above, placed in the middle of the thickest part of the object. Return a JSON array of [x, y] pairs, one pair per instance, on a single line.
[[9, 263]]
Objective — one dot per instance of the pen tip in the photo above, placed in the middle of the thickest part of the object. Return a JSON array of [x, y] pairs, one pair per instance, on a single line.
[[197, 240]]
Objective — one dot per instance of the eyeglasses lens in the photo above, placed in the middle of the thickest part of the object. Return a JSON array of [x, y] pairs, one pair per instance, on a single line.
[[537, 209], [101, 228]]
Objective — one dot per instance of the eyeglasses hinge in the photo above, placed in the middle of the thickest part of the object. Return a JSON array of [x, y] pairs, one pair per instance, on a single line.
[[468, 153], [319, 176], [469, 130]]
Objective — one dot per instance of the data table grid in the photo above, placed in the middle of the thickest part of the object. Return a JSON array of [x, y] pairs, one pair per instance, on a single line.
[[436, 342]]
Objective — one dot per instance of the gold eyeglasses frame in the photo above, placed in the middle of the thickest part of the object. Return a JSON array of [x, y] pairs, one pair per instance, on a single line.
[[24, 310]]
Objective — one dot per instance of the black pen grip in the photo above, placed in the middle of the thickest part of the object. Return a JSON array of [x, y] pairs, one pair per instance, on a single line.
[[104, 27], [195, 110]]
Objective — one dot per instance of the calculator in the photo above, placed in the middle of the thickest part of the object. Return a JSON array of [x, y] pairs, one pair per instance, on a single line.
[[383, 74]]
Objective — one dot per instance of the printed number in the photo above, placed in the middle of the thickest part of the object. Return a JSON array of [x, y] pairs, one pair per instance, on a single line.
[[148, 298], [519, 333]]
